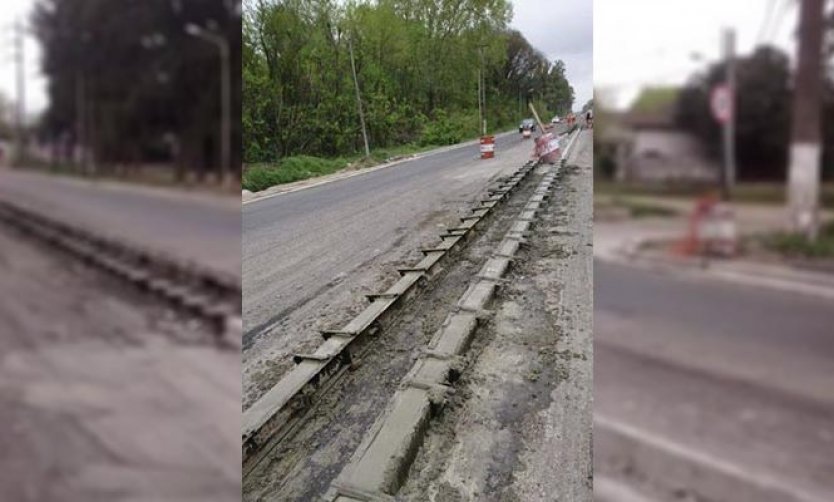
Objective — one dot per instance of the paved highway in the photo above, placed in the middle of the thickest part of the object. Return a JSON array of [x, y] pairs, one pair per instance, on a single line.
[[192, 226], [310, 255], [296, 244], [710, 390]]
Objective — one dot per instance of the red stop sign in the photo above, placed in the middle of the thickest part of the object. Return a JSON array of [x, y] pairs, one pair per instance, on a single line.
[[721, 103]]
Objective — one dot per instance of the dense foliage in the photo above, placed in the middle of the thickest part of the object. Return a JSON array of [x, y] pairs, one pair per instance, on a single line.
[[763, 114], [417, 65], [148, 91]]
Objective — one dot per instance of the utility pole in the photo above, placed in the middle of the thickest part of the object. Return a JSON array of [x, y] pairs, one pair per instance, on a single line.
[[805, 150], [729, 175], [20, 117], [482, 76], [480, 104], [359, 99]]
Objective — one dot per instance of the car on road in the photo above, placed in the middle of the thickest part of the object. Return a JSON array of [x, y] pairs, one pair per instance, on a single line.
[[527, 126], [555, 120]]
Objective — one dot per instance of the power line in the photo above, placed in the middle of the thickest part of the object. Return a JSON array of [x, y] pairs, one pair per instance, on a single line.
[[774, 33], [766, 22]]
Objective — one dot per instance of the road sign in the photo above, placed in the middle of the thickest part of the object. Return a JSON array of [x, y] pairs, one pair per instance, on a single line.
[[721, 103]]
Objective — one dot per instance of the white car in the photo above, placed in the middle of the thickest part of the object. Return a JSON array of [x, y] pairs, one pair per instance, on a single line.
[[555, 120]]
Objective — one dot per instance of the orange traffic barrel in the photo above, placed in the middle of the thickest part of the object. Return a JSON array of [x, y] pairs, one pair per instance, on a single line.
[[487, 147]]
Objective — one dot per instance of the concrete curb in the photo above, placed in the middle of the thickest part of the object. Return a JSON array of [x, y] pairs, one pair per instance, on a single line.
[[346, 175], [380, 464], [213, 296], [278, 412]]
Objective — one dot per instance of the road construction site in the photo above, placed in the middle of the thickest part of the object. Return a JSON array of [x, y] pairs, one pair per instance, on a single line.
[[454, 363], [112, 345]]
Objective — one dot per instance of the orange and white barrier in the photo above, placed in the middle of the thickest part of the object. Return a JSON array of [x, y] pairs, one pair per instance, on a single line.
[[487, 147]]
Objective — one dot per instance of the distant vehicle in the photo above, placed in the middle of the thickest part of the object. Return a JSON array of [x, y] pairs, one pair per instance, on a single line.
[[527, 125], [555, 120]]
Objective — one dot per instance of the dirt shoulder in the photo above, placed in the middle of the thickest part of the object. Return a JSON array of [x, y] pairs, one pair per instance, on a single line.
[[519, 424]]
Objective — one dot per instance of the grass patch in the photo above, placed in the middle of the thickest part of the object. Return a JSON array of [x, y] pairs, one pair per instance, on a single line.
[[797, 246], [639, 210], [262, 176]]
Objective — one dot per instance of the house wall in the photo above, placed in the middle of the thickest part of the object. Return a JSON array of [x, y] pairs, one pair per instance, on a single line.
[[663, 155]]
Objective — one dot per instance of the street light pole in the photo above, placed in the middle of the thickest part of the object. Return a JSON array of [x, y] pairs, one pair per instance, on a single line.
[[729, 127], [21, 95], [225, 95]]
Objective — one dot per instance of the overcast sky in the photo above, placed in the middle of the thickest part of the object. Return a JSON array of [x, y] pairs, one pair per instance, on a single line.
[[562, 29], [643, 42], [11, 12]]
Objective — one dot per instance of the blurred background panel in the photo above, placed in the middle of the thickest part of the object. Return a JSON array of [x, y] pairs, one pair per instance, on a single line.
[[714, 251], [120, 241]]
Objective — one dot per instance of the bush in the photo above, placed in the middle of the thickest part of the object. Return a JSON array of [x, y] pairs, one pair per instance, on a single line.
[[441, 131]]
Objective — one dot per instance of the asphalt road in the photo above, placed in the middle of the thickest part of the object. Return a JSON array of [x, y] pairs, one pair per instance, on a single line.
[[297, 245], [191, 226], [710, 390]]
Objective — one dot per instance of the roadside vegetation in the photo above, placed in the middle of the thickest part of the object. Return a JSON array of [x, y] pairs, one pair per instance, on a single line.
[[262, 175], [794, 245], [146, 89], [417, 69], [608, 207]]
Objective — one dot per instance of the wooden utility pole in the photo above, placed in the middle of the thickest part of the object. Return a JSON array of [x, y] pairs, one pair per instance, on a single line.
[[359, 100], [483, 89], [805, 149]]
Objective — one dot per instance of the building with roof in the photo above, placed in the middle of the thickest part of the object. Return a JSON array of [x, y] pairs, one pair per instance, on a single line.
[[652, 148]]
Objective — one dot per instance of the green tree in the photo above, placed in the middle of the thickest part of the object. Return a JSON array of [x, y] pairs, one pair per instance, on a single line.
[[417, 64], [763, 112], [149, 91]]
